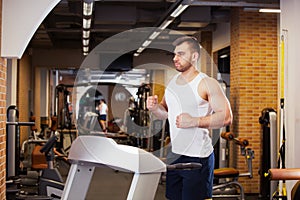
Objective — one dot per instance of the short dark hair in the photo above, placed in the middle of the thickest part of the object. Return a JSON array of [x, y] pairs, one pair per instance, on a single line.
[[192, 41]]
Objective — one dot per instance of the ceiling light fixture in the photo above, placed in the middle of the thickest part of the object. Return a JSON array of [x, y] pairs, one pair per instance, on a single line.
[[87, 8], [146, 43], [85, 42], [268, 10], [140, 50], [154, 35], [165, 24], [167, 21], [179, 10], [85, 48], [86, 33], [224, 56], [86, 23]]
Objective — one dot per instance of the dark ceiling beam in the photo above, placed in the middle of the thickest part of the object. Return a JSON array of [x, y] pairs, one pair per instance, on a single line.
[[64, 30], [196, 14], [209, 27], [144, 15], [250, 4], [57, 58], [64, 14], [220, 16]]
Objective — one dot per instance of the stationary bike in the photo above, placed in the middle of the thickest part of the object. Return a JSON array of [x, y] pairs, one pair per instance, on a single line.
[[50, 182]]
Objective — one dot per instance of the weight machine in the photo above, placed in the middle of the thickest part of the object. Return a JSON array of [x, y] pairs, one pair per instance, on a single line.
[[13, 141], [13, 150], [228, 189], [144, 131], [63, 114], [268, 121], [141, 117]]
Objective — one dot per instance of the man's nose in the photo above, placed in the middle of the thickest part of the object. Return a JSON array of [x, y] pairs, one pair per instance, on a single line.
[[175, 57]]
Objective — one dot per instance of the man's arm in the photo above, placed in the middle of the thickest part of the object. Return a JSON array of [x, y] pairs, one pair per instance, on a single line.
[[210, 90], [160, 110]]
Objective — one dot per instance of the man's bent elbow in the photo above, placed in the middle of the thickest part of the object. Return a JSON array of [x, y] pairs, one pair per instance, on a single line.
[[228, 120]]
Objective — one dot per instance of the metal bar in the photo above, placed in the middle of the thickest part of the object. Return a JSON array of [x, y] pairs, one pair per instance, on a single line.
[[21, 123]]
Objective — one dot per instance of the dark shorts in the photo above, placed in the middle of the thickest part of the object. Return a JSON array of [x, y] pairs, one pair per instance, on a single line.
[[102, 117], [191, 184]]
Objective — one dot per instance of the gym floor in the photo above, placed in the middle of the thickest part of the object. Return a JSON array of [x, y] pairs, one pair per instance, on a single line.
[[112, 185], [109, 184]]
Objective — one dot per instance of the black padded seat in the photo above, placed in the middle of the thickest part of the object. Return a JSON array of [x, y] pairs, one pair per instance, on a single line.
[[296, 191]]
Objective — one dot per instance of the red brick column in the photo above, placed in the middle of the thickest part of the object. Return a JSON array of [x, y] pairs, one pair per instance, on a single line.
[[2, 126], [253, 81], [3, 65]]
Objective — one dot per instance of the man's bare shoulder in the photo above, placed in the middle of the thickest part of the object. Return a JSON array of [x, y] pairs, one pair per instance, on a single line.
[[207, 82]]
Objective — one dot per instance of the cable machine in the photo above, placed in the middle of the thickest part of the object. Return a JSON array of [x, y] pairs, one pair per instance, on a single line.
[[63, 112], [268, 122], [13, 141], [140, 116]]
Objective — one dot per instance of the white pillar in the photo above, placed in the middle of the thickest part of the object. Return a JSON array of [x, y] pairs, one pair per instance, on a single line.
[[44, 92], [11, 82], [288, 21]]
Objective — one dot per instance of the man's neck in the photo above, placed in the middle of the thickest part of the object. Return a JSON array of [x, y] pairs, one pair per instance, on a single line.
[[190, 74]]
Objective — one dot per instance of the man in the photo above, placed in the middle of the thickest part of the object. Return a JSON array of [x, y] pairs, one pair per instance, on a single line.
[[103, 110], [193, 103]]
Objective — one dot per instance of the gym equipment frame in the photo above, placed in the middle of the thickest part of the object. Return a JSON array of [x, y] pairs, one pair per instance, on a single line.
[[219, 190], [88, 152]]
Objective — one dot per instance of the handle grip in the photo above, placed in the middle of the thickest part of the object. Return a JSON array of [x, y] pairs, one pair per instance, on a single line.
[[227, 135], [241, 141], [284, 174], [21, 123], [49, 145]]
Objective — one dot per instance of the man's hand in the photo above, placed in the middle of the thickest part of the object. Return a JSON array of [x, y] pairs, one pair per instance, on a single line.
[[152, 103], [185, 120]]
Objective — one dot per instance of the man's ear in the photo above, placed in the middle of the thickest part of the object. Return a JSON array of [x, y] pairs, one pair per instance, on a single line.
[[195, 56]]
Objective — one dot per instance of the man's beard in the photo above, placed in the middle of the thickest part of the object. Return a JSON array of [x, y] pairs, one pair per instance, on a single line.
[[183, 68]]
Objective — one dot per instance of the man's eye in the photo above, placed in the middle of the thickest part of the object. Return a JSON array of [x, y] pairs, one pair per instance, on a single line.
[[179, 54]]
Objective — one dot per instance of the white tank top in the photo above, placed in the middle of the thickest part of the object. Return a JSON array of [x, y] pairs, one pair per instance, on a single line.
[[102, 111], [194, 142]]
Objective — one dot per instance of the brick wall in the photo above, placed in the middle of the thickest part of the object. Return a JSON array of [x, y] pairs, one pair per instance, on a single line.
[[206, 52], [3, 65], [2, 126], [253, 81]]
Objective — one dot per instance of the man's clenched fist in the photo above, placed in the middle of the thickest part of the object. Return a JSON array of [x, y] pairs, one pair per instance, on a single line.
[[152, 102]]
